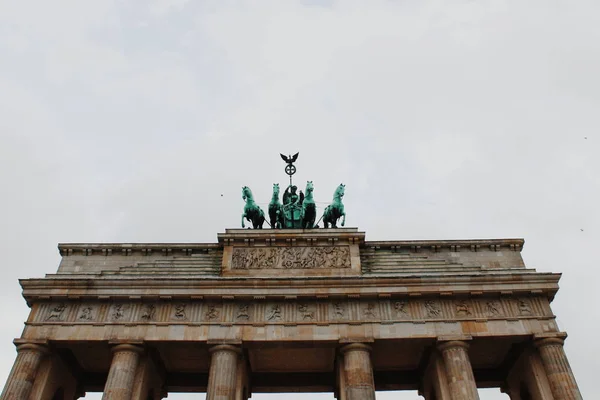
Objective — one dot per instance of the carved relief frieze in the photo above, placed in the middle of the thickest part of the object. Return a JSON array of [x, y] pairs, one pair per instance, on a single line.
[[180, 312], [524, 307], [86, 313], [212, 313], [119, 312], [462, 308], [242, 312], [291, 312], [148, 312], [338, 311], [329, 257], [492, 308], [305, 313], [369, 311], [401, 309], [433, 309], [273, 313], [56, 312]]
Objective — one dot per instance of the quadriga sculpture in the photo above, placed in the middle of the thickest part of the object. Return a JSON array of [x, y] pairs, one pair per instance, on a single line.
[[335, 210], [252, 212], [309, 208], [276, 209]]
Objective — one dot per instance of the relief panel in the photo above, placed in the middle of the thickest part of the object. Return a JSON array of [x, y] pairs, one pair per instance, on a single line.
[[292, 312], [325, 257]]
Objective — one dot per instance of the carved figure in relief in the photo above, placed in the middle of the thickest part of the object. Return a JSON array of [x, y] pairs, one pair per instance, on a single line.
[[492, 308], [118, 312], [56, 312], [148, 312], [86, 314], [369, 312], [400, 307], [524, 307], [242, 312], [212, 313], [180, 311], [274, 313], [306, 314], [338, 310], [462, 308], [291, 257], [433, 309]]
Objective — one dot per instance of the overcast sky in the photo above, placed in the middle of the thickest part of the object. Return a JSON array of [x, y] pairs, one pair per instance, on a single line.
[[137, 121]]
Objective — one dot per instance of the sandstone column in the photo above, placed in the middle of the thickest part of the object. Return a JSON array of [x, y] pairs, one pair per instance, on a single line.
[[558, 370], [358, 372], [436, 382], [121, 377], [24, 371], [458, 370], [222, 377]]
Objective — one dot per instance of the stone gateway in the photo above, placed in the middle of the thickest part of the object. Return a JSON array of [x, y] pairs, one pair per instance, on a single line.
[[291, 310]]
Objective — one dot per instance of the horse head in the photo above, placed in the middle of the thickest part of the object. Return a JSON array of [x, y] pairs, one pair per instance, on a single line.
[[246, 193], [339, 192], [276, 189], [309, 187]]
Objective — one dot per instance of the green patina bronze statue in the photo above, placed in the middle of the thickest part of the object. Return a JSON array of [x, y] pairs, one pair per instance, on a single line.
[[276, 209], [297, 211], [309, 208], [335, 210], [252, 212], [292, 208]]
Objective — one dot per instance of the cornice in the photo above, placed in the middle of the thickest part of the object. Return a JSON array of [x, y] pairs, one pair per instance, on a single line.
[[107, 249], [474, 285], [245, 237], [514, 244]]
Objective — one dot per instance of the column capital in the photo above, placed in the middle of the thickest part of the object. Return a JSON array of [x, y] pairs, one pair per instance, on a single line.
[[132, 347], [354, 347], [445, 345], [543, 339], [548, 341], [38, 347], [225, 347]]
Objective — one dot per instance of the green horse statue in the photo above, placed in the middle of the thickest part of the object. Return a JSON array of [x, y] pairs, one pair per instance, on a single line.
[[309, 208], [276, 209], [252, 212], [335, 210]]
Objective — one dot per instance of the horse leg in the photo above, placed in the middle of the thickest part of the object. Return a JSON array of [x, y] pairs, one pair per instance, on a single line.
[[243, 216], [343, 219]]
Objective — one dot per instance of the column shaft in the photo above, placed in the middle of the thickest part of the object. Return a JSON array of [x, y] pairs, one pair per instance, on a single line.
[[222, 377], [358, 372], [458, 370], [121, 377], [23, 373], [561, 378]]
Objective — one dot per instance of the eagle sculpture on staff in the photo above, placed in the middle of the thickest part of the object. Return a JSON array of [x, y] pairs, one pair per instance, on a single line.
[[289, 159]]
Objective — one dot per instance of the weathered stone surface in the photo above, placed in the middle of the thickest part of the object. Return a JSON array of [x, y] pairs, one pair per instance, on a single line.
[[459, 372], [25, 369], [222, 379], [290, 300], [561, 378], [121, 377], [358, 372]]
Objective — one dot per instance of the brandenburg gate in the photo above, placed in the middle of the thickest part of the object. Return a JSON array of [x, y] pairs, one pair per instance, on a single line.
[[293, 309]]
